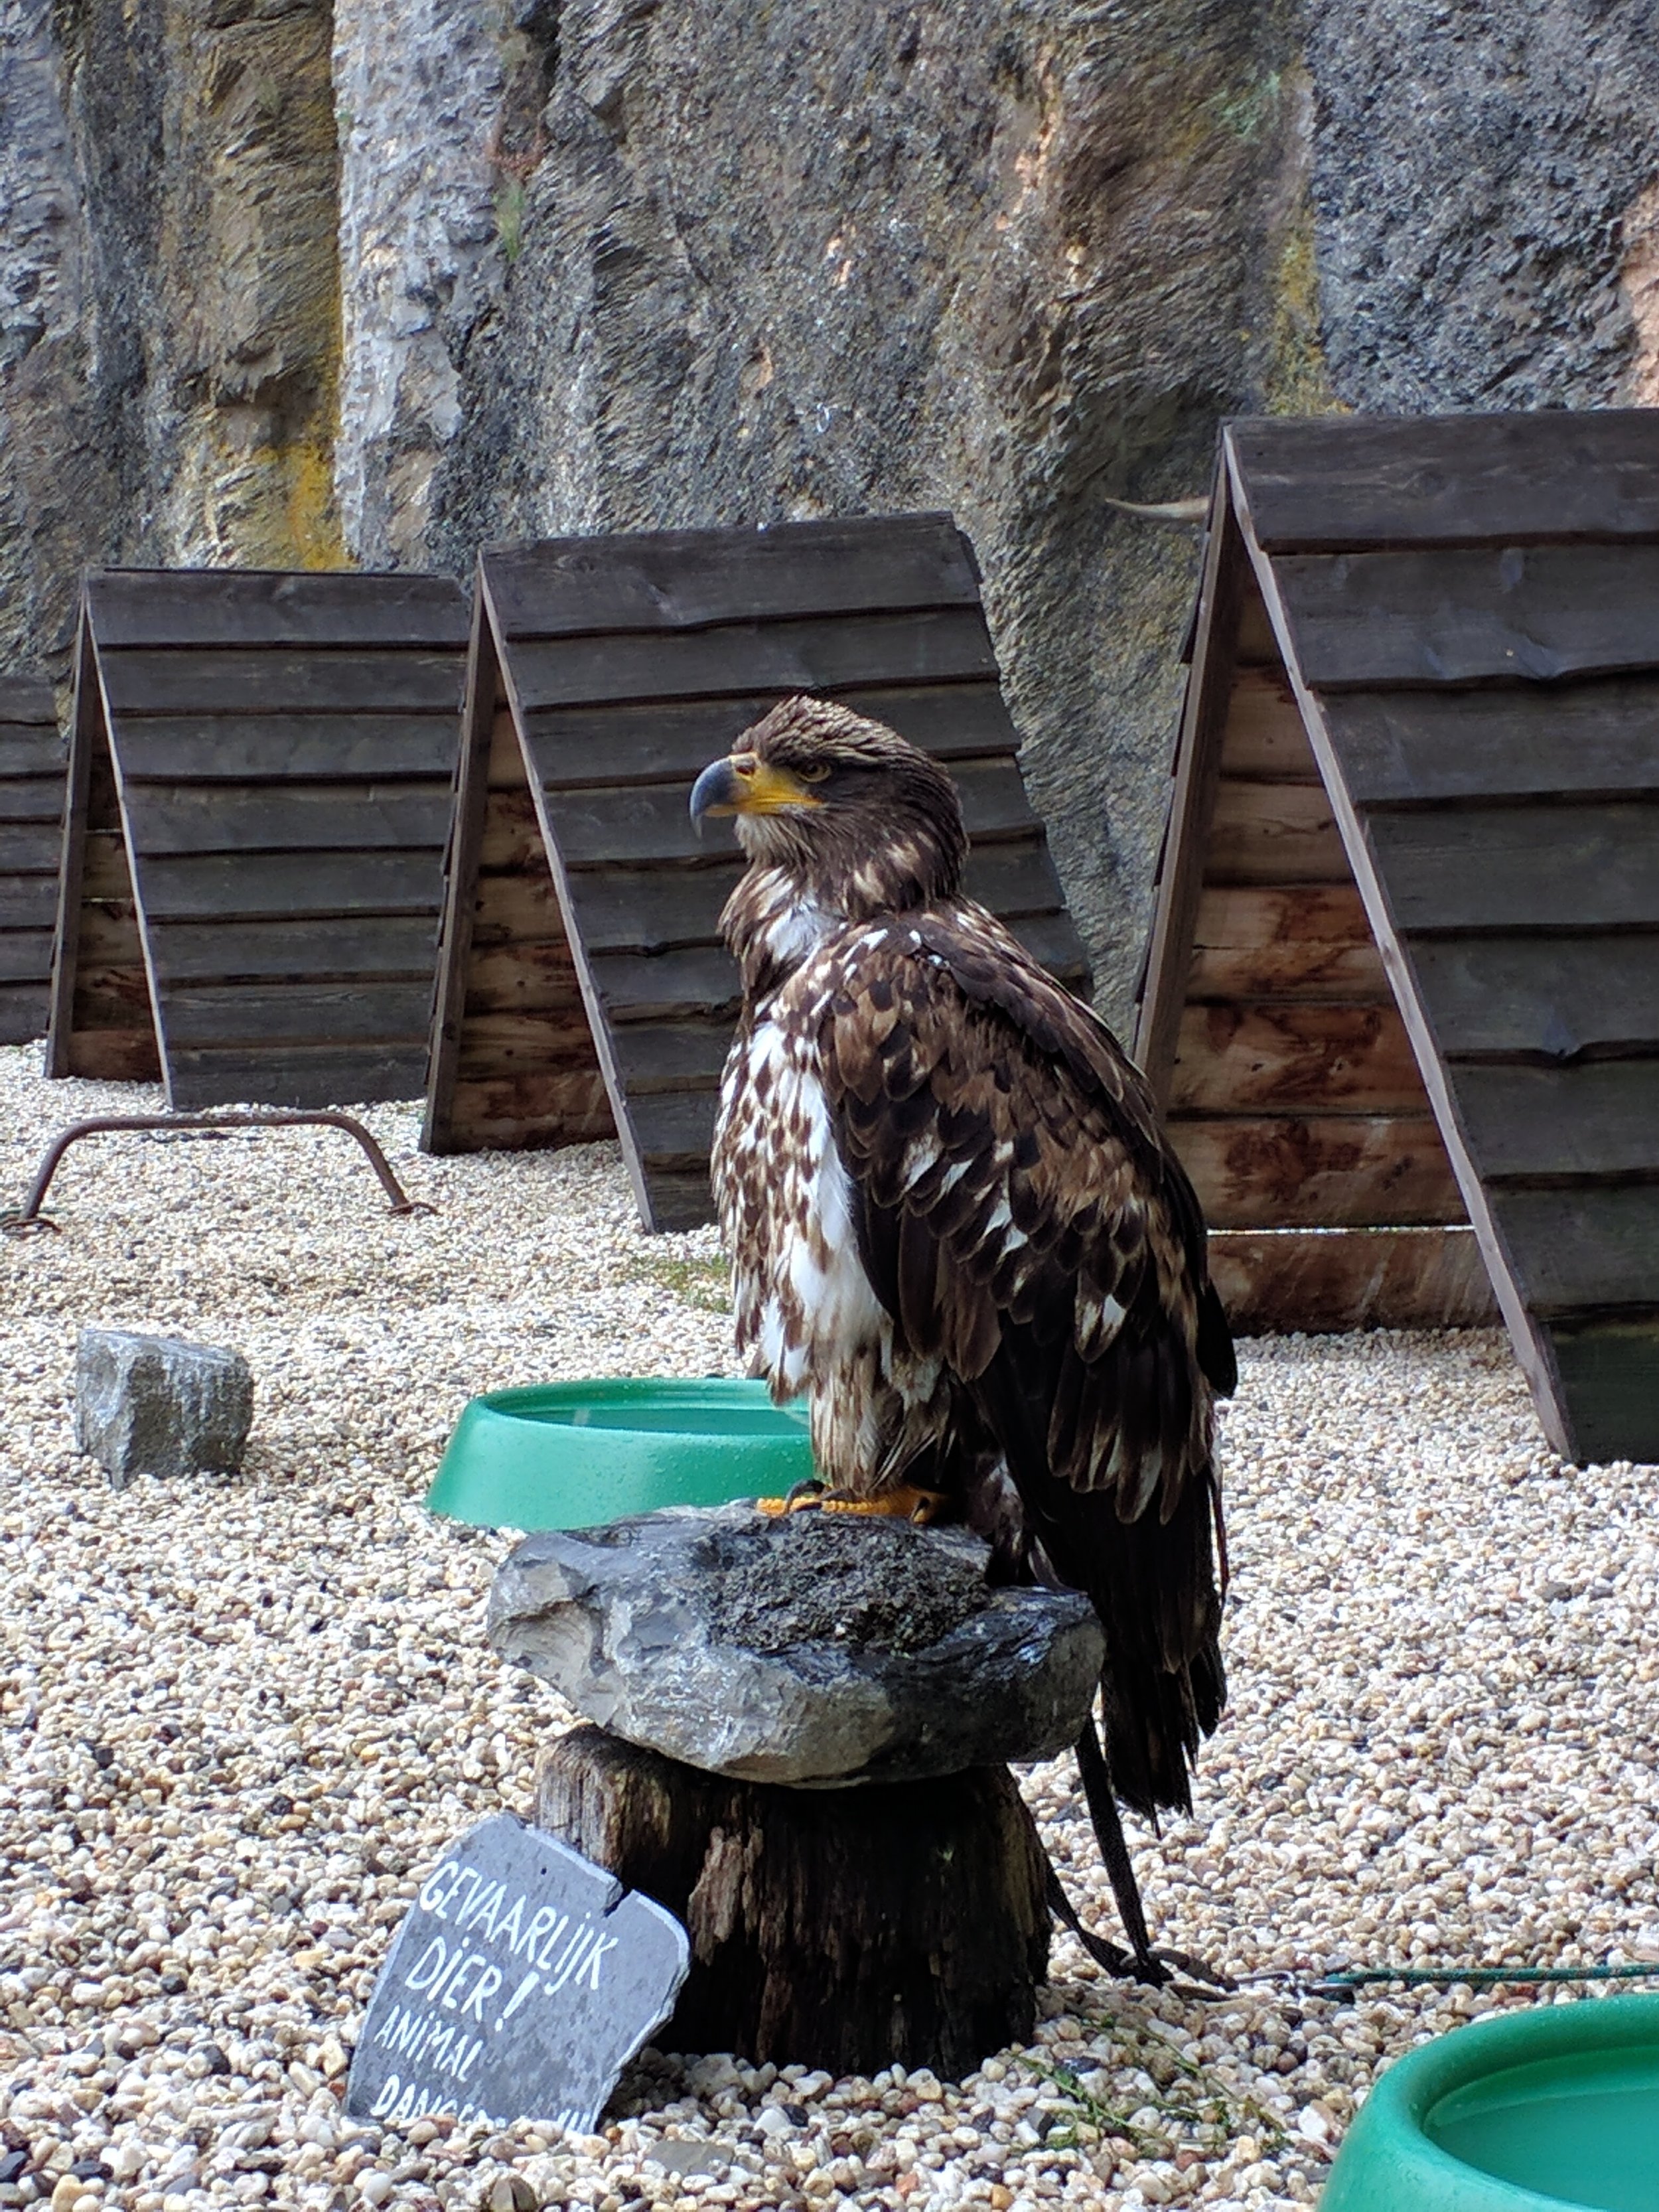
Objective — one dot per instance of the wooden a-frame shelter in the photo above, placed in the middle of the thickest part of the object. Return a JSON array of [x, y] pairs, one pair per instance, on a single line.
[[30, 835], [260, 776], [582, 985], [1401, 1001]]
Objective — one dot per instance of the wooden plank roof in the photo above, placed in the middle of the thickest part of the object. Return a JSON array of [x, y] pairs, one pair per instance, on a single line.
[[582, 983], [1456, 615], [261, 786], [31, 765]]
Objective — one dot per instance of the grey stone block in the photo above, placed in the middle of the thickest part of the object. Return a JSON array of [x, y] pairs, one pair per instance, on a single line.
[[815, 1649], [158, 1405]]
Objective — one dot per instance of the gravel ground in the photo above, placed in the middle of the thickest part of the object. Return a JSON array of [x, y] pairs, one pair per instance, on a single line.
[[240, 1718]]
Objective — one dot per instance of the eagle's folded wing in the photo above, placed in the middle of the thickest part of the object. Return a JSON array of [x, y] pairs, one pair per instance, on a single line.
[[1020, 1217]]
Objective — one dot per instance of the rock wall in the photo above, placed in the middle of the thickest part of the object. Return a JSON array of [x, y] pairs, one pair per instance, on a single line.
[[1479, 184], [169, 294], [290, 283], [71, 359], [424, 116], [817, 260]]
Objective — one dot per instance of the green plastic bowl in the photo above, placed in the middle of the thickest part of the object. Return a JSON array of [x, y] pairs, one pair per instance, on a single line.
[[1526, 2112], [576, 1454]]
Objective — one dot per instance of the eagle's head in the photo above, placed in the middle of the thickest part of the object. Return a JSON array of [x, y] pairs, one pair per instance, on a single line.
[[863, 820]]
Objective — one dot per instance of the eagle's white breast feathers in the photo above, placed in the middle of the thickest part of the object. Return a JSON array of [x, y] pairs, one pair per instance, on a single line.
[[807, 1314]]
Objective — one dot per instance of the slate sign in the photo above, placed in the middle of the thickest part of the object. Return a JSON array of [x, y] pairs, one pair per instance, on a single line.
[[519, 1986]]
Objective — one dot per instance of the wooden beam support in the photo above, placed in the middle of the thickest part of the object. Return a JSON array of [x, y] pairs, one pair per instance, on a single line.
[[1191, 797]]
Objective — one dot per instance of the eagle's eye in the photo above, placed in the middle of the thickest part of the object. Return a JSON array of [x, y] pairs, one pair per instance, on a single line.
[[815, 773]]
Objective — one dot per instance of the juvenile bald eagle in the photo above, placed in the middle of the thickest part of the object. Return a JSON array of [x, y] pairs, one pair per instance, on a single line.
[[954, 1221]]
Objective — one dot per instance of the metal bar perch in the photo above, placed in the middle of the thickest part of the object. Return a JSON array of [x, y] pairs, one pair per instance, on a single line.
[[29, 1217]]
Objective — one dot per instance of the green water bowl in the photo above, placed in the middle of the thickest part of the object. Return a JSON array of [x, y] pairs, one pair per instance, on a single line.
[[576, 1454], [1526, 2112]]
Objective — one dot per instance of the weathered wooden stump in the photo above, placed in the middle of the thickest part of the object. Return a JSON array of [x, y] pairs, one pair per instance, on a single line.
[[836, 1927]]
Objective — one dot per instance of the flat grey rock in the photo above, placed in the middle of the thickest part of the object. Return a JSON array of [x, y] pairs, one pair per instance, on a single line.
[[814, 1649], [158, 1405]]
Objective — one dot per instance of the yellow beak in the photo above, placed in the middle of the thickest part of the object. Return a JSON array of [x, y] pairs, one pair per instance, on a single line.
[[741, 784]]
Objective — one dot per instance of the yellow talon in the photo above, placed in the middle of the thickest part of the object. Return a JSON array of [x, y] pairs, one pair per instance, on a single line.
[[802, 1499], [904, 1503]]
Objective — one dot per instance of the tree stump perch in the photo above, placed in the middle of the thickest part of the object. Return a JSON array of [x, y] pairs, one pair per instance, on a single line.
[[803, 1723], [845, 1929]]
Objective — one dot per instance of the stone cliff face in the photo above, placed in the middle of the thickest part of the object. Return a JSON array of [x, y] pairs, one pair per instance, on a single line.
[[286, 283], [170, 311], [1482, 182], [812, 261]]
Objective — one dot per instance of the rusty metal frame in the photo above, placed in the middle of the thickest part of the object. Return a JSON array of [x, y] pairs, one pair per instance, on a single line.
[[29, 1217]]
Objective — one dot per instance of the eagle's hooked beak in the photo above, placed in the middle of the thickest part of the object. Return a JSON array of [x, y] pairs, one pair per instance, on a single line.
[[742, 784]]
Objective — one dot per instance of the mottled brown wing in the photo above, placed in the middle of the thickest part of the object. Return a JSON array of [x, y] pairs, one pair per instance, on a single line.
[[1021, 1217]]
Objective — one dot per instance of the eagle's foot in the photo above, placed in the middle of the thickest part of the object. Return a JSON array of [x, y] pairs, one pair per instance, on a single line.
[[800, 1499], [904, 1503]]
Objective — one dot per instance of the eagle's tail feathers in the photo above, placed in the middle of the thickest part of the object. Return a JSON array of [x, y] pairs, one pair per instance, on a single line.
[[1152, 1578]]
